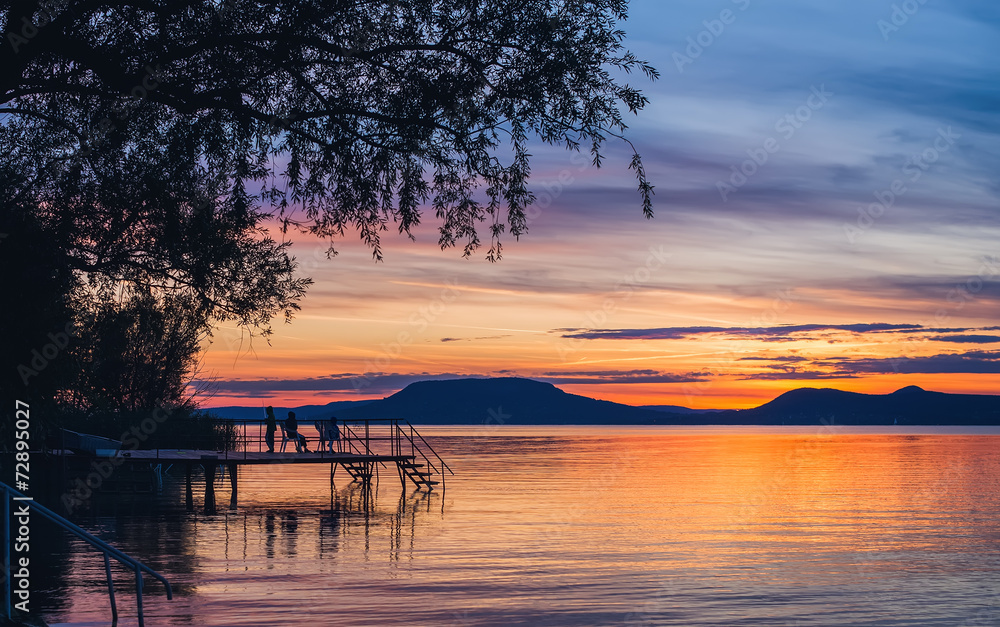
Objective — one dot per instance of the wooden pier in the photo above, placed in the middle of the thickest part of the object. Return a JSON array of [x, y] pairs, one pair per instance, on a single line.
[[362, 448]]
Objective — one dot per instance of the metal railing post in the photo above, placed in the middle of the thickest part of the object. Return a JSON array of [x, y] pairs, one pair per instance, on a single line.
[[111, 588], [138, 593], [89, 538]]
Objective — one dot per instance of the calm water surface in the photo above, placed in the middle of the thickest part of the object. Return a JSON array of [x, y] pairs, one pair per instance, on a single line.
[[579, 525]]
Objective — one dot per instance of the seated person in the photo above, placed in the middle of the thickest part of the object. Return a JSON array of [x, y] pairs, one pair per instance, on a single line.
[[292, 430], [328, 433]]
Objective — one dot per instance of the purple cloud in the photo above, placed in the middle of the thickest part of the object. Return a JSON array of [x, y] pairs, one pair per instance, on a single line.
[[619, 376], [796, 374], [785, 358], [974, 362], [967, 339], [365, 384], [772, 334]]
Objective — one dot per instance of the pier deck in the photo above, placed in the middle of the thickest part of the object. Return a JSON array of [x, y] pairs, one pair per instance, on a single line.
[[258, 457], [361, 447]]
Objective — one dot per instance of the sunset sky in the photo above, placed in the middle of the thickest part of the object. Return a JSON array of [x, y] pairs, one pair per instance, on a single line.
[[826, 216]]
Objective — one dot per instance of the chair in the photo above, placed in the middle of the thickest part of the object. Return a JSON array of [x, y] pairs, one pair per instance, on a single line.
[[284, 436], [328, 433]]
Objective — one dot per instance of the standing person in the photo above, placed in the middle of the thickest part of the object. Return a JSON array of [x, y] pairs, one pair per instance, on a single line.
[[271, 425], [292, 427]]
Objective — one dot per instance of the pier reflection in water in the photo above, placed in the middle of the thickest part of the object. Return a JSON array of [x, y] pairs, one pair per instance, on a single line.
[[586, 526], [224, 565]]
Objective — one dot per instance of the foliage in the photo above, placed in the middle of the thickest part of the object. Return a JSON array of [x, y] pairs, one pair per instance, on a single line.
[[37, 284], [139, 353], [135, 266], [345, 114], [141, 219], [148, 143]]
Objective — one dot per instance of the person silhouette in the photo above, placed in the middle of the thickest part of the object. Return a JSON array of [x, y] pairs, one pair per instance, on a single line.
[[329, 433], [292, 428], [271, 425]]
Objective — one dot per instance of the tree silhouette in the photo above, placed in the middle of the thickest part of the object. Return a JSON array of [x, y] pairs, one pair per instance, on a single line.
[[344, 114], [135, 258], [37, 318], [148, 142], [138, 352]]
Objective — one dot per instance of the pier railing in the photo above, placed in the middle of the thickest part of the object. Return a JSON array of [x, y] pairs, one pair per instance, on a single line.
[[10, 495], [405, 433], [360, 441]]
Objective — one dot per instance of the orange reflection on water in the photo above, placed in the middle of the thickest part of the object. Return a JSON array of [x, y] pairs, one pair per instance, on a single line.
[[574, 525]]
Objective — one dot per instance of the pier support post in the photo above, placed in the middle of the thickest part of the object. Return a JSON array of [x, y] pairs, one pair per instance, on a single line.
[[233, 484], [188, 492], [209, 487]]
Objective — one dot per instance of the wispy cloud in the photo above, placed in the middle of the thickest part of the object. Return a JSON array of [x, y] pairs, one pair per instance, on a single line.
[[796, 375], [619, 376], [781, 332], [364, 384], [967, 339], [780, 358], [973, 362], [473, 339]]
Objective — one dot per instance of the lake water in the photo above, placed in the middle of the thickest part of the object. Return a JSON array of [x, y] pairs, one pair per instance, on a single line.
[[579, 526]]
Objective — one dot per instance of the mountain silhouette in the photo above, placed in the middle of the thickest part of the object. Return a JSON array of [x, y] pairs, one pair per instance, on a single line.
[[907, 406], [516, 401], [499, 401], [678, 409]]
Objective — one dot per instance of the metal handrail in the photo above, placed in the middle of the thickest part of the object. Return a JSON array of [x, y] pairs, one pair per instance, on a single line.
[[10, 494], [354, 437], [416, 449], [349, 436], [431, 448], [399, 433]]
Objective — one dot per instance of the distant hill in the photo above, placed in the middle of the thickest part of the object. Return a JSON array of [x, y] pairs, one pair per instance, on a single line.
[[514, 401], [907, 406], [511, 401], [678, 409]]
